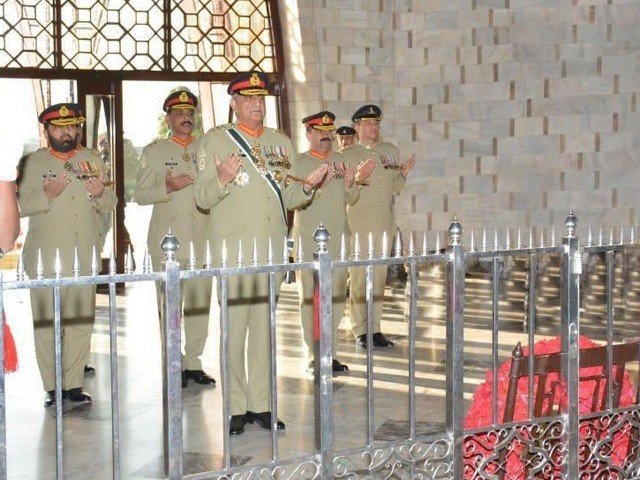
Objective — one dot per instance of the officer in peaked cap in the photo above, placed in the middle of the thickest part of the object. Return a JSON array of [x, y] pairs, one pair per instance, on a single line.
[[62, 114], [180, 100], [243, 169], [63, 193], [249, 84], [387, 180], [346, 137], [372, 112], [327, 207], [166, 176]]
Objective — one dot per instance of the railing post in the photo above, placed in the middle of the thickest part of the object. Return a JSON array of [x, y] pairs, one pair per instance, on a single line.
[[570, 314], [455, 344], [172, 361], [322, 340]]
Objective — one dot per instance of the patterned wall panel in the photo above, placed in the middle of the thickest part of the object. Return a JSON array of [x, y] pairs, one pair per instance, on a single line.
[[518, 110]]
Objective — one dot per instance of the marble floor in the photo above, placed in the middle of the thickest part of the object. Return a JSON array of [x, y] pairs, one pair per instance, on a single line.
[[87, 429]]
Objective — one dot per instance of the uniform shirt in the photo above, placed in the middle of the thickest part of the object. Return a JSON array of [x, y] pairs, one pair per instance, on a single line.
[[374, 210], [72, 219], [328, 206], [252, 211], [176, 211]]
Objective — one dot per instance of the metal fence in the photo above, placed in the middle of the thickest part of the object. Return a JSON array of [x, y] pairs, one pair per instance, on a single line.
[[550, 447]]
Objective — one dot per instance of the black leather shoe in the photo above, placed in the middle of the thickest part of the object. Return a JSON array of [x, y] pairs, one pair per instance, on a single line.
[[184, 380], [236, 426], [198, 376], [50, 398], [88, 368], [76, 395], [339, 367], [379, 341], [263, 419]]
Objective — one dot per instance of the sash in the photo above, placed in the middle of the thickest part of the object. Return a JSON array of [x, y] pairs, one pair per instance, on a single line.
[[242, 144]]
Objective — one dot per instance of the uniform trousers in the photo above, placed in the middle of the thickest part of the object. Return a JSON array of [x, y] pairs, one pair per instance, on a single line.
[[77, 308], [304, 283], [249, 341], [196, 302], [357, 298]]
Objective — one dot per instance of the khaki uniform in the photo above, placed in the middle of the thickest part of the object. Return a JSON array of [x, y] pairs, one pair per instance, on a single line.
[[373, 213], [244, 214], [328, 207], [178, 212], [70, 220]]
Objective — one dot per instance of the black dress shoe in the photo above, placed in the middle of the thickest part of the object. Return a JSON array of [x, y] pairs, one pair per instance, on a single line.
[[88, 368], [50, 398], [76, 395], [339, 367], [198, 376], [379, 341], [184, 380], [263, 419], [236, 426]]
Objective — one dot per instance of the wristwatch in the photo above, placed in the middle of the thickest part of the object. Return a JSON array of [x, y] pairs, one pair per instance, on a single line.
[[1, 254]]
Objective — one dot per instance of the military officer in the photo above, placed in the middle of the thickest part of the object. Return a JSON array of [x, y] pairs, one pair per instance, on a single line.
[[63, 193], [328, 206], [346, 137], [373, 213], [166, 178], [242, 171]]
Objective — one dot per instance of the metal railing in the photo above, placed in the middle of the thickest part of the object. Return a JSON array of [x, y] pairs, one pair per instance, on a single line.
[[433, 456]]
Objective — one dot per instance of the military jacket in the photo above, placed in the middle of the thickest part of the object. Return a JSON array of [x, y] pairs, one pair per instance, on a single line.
[[374, 210], [72, 219], [328, 206], [176, 211], [249, 208]]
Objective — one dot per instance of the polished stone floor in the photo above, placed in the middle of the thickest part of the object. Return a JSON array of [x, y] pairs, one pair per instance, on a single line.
[[87, 429]]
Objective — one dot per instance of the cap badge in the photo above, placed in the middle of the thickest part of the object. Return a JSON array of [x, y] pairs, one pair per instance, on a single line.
[[371, 110], [64, 111], [183, 97], [326, 120], [254, 80]]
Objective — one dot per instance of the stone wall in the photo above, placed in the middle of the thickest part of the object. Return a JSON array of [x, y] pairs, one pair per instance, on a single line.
[[518, 110]]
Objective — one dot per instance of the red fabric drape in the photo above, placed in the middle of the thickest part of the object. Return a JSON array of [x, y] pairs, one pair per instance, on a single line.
[[10, 352]]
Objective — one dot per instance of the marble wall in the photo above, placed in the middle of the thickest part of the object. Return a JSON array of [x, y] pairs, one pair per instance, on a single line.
[[518, 110]]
